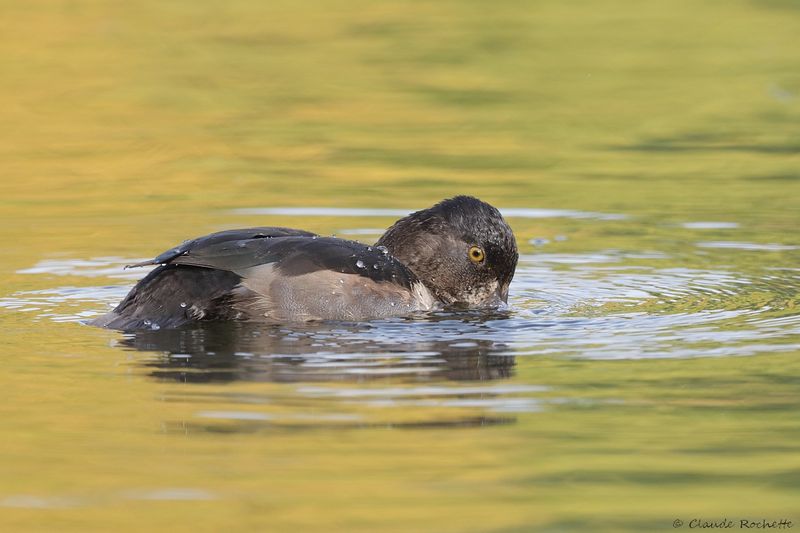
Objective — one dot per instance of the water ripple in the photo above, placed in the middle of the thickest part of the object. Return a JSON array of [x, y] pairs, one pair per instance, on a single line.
[[598, 305]]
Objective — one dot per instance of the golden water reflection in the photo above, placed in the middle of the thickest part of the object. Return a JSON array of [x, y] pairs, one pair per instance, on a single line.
[[646, 371]]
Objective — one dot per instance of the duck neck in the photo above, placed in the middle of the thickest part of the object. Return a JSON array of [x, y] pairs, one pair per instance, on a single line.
[[419, 256]]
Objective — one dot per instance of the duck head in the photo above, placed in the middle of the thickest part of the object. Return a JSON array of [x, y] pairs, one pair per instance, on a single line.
[[461, 249]]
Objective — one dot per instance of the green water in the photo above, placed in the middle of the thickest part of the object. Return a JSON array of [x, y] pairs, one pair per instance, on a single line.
[[647, 156]]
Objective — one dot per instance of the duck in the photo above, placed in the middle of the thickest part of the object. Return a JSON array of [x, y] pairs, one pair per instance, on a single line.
[[459, 253]]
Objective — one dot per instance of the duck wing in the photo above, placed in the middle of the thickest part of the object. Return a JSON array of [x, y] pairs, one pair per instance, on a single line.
[[292, 256], [221, 238], [269, 274]]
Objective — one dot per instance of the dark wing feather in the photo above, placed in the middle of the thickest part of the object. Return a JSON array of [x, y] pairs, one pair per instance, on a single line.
[[220, 238], [171, 296], [297, 255]]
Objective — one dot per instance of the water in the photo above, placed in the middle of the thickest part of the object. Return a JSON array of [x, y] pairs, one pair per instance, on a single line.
[[645, 371]]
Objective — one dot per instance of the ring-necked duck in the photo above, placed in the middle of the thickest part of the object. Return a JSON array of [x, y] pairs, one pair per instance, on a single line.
[[459, 252]]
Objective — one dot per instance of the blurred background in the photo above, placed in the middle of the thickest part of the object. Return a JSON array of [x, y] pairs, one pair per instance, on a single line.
[[647, 155]]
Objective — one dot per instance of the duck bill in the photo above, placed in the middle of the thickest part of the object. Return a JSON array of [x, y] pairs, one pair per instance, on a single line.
[[499, 299], [502, 293]]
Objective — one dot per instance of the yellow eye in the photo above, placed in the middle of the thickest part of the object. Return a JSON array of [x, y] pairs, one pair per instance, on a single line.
[[476, 254]]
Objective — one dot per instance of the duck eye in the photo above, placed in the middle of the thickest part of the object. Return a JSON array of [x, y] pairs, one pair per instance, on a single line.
[[476, 254]]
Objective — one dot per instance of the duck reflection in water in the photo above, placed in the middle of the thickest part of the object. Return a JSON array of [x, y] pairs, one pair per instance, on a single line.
[[446, 346]]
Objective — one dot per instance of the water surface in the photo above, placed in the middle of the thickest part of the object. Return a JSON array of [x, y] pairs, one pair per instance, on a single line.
[[646, 371]]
